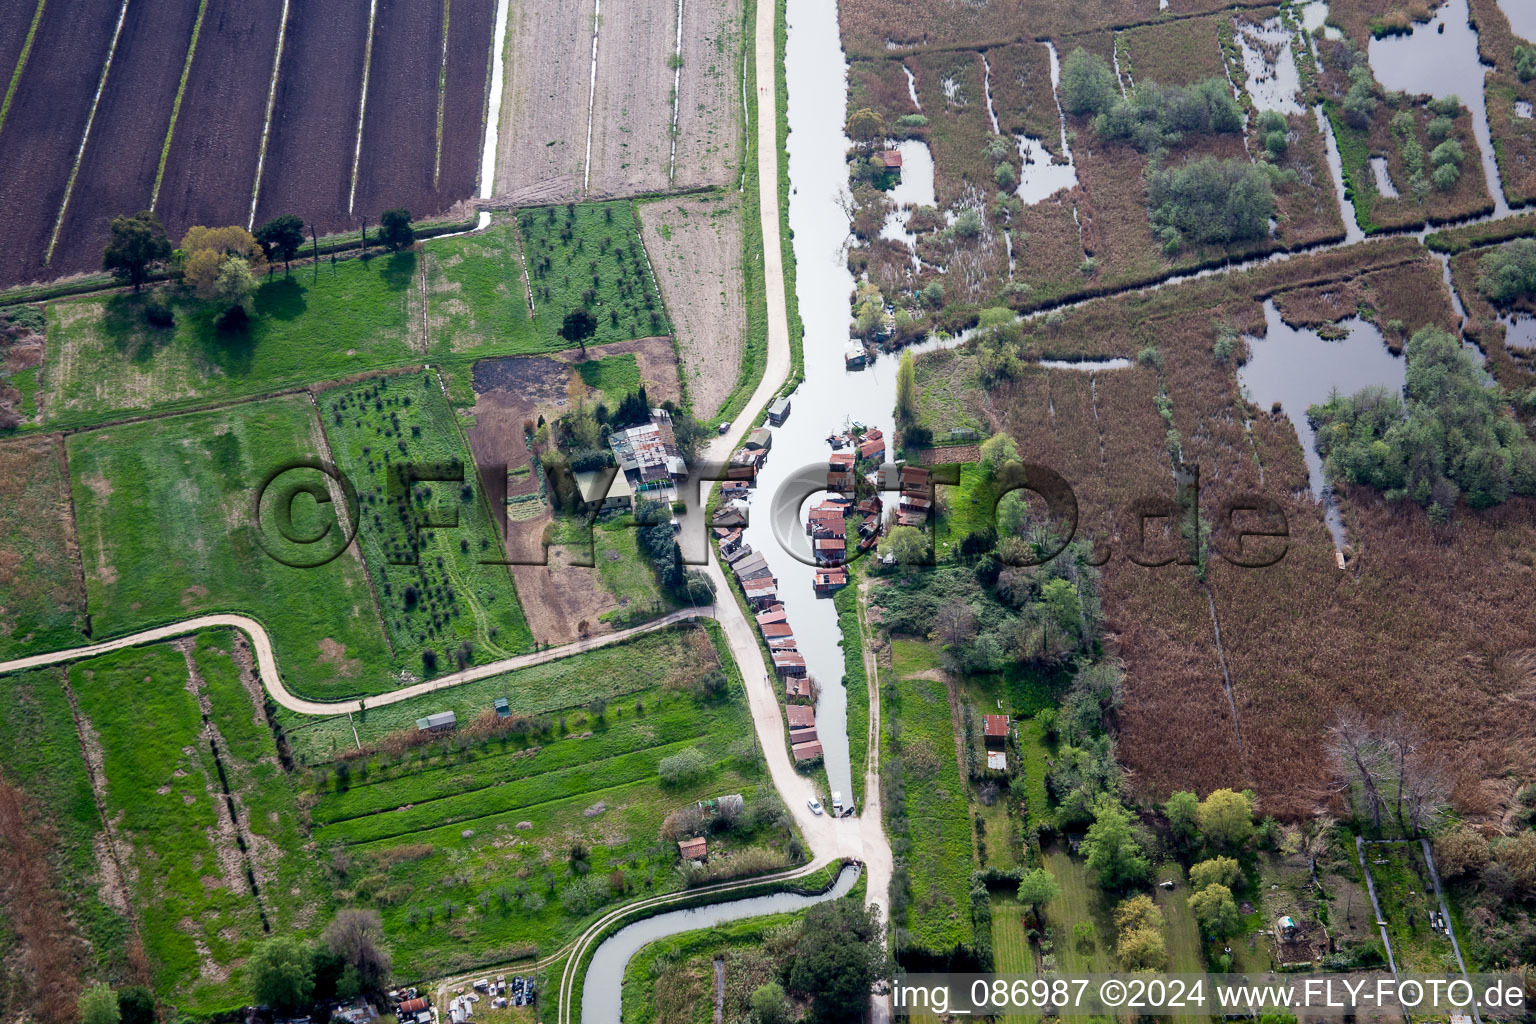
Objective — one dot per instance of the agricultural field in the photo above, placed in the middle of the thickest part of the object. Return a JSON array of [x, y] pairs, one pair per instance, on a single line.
[[919, 754], [42, 596], [632, 105], [445, 597], [210, 115], [162, 511], [696, 248], [169, 743], [477, 293], [590, 257], [498, 843]]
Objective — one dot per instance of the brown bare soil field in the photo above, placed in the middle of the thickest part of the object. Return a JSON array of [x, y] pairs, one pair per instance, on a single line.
[[43, 127], [117, 172], [211, 168], [13, 36], [1427, 622], [314, 125], [632, 107], [400, 122], [42, 596], [1022, 95], [471, 48], [1515, 136], [696, 250], [557, 596], [542, 140], [654, 357], [1174, 53], [709, 114]]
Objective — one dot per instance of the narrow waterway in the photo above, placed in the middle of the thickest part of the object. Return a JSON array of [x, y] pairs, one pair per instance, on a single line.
[[603, 989]]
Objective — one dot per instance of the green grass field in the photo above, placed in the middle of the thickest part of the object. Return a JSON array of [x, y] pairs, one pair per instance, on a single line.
[[590, 256], [1010, 945], [477, 300], [198, 914], [1080, 901], [1407, 895], [856, 682], [941, 859], [478, 850], [40, 594], [163, 512], [614, 376], [443, 607], [627, 574], [104, 360], [668, 657]]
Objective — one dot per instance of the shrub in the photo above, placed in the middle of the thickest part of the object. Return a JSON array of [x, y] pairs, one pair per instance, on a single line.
[[584, 895], [1360, 100], [1087, 83], [1004, 176], [681, 767], [1215, 909], [1155, 115], [1142, 950], [1446, 176], [1509, 271], [968, 223], [1440, 128], [1525, 63], [1448, 152], [1216, 871], [1461, 852], [1212, 200]]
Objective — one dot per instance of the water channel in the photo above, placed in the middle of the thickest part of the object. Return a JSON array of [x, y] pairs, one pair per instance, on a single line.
[[603, 989]]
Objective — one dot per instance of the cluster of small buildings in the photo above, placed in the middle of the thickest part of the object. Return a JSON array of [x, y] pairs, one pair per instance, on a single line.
[[518, 992], [410, 1006], [695, 850], [916, 502]]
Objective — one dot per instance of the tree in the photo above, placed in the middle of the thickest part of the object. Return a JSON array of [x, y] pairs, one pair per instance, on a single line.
[[1138, 912], [282, 973], [1038, 888], [866, 127], [767, 1003], [138, 243], [997, 451], [136, 1004], [1360, 100], [234, 286], [357, 936], [1216, 871], [906, 544], [98, 1005], [1215, 909], [1182, 811], [1226, 818], [1087, 83], [205, 251], [395, 229], [906, 389], [1210, 200], [281, 237], [681, 767], [577, 327], [1114, 853], [838, 958], [1142, 949]]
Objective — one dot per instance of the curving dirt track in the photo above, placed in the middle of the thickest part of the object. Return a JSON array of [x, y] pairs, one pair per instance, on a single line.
[[211, 168]]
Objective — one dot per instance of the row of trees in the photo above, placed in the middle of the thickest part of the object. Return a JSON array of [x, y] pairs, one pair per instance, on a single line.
[[221, 263]]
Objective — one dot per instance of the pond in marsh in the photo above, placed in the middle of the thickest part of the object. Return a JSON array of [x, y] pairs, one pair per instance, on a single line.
[[1041, 178], [1439, 57], [1298, 368], [1519, 331], [1270, 67], [1383, 179], [914, 189]]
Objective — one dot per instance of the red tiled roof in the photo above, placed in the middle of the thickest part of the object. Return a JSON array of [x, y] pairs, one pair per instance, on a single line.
[[842, 460], [994, 725], [891, 157], [806, 751], [693, 849]]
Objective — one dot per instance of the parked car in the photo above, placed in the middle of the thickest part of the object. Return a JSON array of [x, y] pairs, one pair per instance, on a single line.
[[814, 805]]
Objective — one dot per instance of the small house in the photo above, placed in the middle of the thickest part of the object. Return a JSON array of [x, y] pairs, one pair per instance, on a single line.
[[778, 412], [872, 450], [782, 643], [854, 356], [997, 761], [774, 630], [800, 716], [503, 709], [752, 567], [413, 1006], [994, 730], [797, 688], [830, 550], [828, 580], [788, 663], [442, 721], [916, 480], [760, 439], [619, 494], [729, 537], [760, 593], [772, 615], [807, 751], [1285, 928], [694, 849], [890, 159]]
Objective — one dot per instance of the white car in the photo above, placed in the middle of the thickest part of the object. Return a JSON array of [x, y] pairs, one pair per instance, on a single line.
[[814, 805]]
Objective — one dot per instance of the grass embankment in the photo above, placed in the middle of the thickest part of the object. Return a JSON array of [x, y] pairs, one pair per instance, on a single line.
[[163, 515], [428, 545], [918, 756], [478, 849], [591, 256], [855, 683]]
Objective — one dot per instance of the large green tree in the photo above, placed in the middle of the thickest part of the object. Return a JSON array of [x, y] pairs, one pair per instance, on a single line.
[[281, 237], [395, 229], [838, 958], [1038, 888], [1226, 818], [1113, 849], [138, 242], [1087, 83], [282, 973]]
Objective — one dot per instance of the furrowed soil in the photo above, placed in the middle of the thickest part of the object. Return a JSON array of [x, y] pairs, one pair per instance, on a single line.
[[43, 128], [632, 112], [117, 173], [542, 141], [13, 36], [314, 126], [400, 125], [709, 114], [211, 168], [471, 48], [42, 597], [696, 248]]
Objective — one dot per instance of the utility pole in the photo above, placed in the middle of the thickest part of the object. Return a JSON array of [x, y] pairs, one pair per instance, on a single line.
[[365, 238]]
